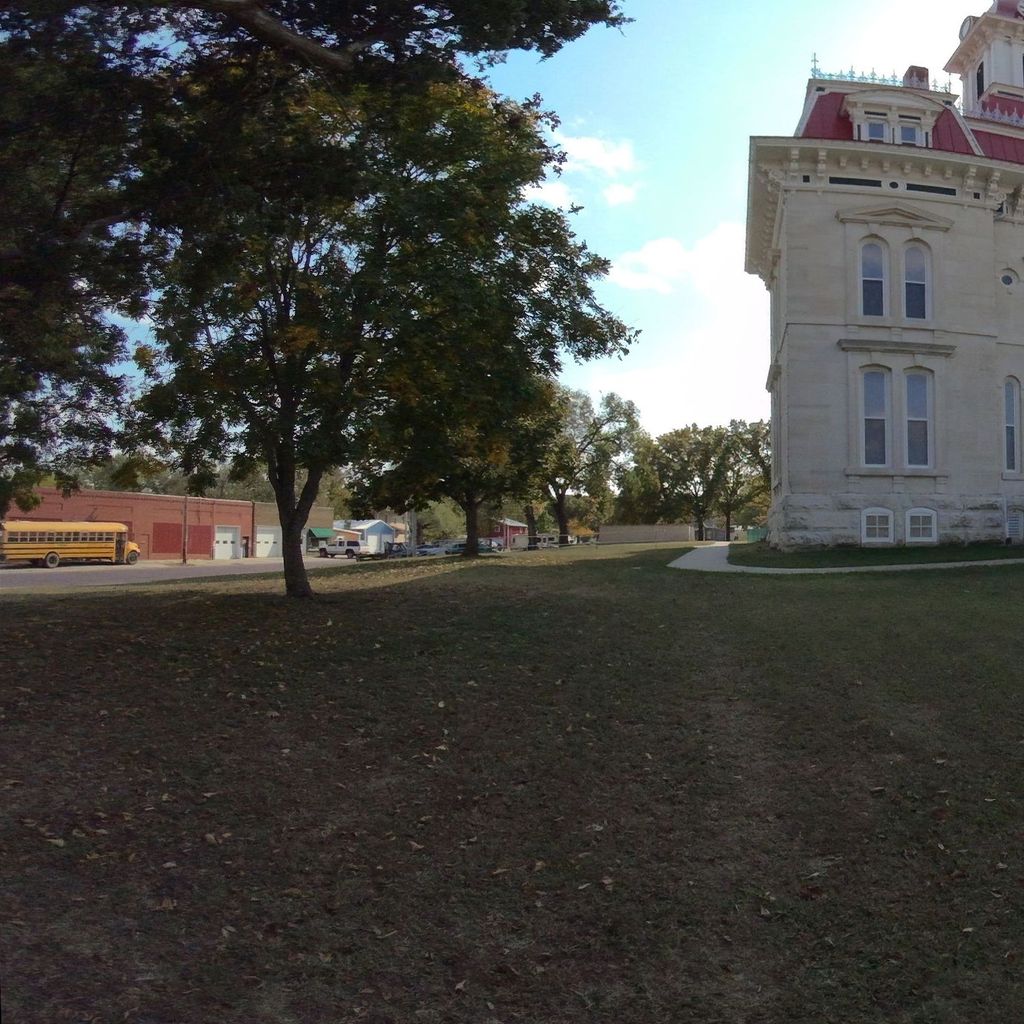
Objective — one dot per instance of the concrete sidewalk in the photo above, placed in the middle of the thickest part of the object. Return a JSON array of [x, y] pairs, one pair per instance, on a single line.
[[715, 558]]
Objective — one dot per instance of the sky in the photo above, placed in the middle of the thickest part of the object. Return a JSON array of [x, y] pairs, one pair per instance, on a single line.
[[655, 121]]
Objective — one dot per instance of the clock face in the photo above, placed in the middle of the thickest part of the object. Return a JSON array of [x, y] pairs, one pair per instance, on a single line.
[[969, 23]]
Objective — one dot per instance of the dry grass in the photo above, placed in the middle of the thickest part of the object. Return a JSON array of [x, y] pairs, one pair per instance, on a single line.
[[545, 788]]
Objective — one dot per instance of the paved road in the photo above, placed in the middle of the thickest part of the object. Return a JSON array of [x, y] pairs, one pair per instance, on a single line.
[[70, 577]]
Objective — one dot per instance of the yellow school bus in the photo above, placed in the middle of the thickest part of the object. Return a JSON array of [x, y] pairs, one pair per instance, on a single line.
[[50, 543]]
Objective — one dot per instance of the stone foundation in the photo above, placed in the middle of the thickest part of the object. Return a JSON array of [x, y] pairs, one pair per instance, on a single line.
[[821, 521]]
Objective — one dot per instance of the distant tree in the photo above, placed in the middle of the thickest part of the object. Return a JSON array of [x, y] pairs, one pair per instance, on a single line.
[[755, 444], [692, 466], [639, 493], [585, 450], [746, 483], [484, 442]]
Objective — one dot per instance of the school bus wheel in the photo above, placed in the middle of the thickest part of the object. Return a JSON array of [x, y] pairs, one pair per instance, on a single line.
[[52, 560]]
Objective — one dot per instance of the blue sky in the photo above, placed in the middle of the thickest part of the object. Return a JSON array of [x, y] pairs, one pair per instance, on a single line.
[[656, 120]]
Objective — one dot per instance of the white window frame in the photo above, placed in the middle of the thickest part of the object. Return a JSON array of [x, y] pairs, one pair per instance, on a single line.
[[903, 126], [918, 513], [929, 420], [886, 375], [927, 282], [1015, 524], [864, 527], [861, 279], [1011, 404]]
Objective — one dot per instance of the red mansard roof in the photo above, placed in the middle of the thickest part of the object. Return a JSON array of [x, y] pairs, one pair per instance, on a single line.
[[1001, 147], [826, 121], [948, 134]]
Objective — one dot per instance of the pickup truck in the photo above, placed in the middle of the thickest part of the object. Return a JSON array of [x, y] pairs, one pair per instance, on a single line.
[[340, 546]]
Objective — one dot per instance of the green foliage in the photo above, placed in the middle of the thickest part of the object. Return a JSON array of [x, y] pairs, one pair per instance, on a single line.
[[586, 449], [696, 472], [133, 133]]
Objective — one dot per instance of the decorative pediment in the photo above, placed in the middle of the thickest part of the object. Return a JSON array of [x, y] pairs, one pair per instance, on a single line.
[[894, 214]]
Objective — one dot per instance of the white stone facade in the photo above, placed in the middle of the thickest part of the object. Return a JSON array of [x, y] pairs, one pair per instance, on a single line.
[[891, 240]]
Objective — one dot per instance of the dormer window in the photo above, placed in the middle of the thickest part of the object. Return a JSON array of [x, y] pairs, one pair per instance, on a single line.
[[897, 117], [979, 79]]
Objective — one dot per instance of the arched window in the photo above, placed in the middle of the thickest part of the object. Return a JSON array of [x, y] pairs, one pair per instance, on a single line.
[[875, 406], [1011, 417], [872, 279], [919, 417], [915, 283]]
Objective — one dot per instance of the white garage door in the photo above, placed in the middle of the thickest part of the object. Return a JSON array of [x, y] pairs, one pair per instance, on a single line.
[[268, 541], [226, 542]]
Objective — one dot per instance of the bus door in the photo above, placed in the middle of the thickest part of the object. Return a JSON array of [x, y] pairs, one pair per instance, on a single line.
[[119, 542]]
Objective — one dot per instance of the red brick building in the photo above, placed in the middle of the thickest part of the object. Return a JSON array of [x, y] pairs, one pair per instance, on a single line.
[[217, 528]]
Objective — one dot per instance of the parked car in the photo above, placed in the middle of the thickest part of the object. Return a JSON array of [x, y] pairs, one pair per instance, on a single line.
[[455, 547], [340, 546], [491, 544], [430, 548]]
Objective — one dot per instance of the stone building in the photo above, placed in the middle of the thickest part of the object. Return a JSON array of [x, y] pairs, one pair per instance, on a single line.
[[890, 233]]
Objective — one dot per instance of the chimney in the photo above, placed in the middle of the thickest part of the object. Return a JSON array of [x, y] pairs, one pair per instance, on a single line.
[[915, 77]]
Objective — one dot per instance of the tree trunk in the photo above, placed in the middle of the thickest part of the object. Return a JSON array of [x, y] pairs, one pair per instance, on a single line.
[[700, 527], [562, 515], [292, 513], [472, 510], [728, 524], [531, 527], [296, 582]]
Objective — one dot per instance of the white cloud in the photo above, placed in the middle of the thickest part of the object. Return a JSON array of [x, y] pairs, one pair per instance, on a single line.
[[589, 154], [663, 264], [616, 194], [702, 356], [553, 192]]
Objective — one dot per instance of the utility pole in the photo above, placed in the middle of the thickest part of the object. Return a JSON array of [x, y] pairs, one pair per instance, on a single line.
[[184, 531]]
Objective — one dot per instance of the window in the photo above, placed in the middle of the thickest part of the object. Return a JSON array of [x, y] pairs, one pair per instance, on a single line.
[[918, 418], [876, 415], [910, 135], [915, 283], [876, 131], [876, 526], [979, 79], [872, 277], [1011, 414], [921, 526], [1015, 524]]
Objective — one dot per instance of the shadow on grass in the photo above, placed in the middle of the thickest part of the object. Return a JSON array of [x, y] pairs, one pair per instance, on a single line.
[[540, 789]]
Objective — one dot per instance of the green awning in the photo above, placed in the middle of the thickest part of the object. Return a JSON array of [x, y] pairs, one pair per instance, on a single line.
[[321, 533]]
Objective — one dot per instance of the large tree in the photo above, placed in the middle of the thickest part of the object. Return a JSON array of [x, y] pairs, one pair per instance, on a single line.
[[294, 320], [95, 169], [586, 449], [692, 466]]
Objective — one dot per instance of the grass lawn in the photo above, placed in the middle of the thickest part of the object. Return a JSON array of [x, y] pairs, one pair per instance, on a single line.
[[568, 786], [760, 554]]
